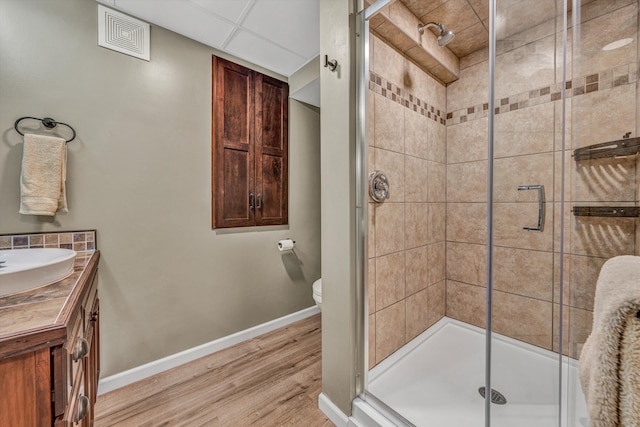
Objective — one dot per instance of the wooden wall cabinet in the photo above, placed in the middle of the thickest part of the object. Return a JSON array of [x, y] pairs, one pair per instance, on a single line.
[[49, 375], [249, 147]]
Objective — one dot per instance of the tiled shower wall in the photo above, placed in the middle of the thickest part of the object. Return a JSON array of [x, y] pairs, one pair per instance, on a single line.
[[528, 151], [438, 186], [406, 137]]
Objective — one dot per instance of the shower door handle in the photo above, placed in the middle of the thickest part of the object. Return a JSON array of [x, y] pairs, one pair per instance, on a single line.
[[541, 211]]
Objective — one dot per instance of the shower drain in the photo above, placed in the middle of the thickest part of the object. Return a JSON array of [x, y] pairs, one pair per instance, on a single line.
[[496, 396]]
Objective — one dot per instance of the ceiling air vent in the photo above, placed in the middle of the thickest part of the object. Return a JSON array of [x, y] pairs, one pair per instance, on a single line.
[[123, 33]]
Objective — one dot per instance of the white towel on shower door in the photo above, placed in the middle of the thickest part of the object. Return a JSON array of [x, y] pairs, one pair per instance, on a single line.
[[609, 364], [630, 373]]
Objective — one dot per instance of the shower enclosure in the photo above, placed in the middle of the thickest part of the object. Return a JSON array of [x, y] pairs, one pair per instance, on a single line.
[[511, 166]]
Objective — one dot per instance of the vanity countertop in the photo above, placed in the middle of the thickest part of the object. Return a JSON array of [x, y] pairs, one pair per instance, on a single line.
[[37, 317]]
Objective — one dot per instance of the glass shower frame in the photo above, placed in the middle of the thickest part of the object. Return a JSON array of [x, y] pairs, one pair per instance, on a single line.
[[362, 67]]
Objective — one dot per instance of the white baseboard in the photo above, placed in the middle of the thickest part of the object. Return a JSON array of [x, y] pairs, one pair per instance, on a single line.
[[149, 369], [339, 418]]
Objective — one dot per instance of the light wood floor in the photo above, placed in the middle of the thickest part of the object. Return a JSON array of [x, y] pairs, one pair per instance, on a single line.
[[271, 380]]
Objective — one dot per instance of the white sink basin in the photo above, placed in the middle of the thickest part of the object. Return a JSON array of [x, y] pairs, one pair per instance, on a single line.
[[25, 269]]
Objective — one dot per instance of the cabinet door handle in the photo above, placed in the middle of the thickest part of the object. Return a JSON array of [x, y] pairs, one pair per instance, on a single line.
[[82, 348], [252, 202], [259, 202], [83, 408], [540, 189]]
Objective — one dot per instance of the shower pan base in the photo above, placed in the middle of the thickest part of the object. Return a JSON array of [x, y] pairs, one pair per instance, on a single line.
[[433, 382]]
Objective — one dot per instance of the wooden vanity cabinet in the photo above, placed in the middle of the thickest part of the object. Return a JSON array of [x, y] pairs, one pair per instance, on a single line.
[[24, 389], [49, 376]]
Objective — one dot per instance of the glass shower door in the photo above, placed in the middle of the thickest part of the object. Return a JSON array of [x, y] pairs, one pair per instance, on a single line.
[[525, 196], [603, 107]]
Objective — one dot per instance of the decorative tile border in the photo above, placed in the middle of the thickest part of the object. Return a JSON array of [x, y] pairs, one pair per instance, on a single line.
[[79, 241], [383, 87], [607, 79]]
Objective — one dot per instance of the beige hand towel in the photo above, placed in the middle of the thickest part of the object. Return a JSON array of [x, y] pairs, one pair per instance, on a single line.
[[609, 365], [44, 172]]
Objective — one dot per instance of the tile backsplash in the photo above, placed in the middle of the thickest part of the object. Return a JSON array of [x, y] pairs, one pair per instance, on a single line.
[[79, 241]]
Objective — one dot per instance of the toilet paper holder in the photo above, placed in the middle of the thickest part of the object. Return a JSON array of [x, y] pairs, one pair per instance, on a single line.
[[286, 244]]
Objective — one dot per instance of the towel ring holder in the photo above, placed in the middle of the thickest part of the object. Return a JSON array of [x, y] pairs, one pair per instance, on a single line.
[[47, 122]]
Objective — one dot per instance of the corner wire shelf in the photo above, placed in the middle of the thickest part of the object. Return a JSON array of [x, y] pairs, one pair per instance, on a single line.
[[607, 211], [620, 148], [607, 150]]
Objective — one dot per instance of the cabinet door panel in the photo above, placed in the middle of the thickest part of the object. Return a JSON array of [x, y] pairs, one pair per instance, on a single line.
[[237, 108], [25, 396], [43, 387], [272, 138], [270, 120], [233, 141], [235, 196], [272, 172]]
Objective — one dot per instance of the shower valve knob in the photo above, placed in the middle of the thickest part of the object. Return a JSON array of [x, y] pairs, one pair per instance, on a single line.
[[378, 186]]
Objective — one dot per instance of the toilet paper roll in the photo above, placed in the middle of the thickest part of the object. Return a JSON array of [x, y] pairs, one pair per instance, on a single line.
[[285, 245]]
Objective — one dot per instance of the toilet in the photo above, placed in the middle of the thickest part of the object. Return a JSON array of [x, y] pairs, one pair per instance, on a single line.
[[317, 293]]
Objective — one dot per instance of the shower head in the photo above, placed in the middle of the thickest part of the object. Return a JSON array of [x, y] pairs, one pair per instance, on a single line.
[[445, 35]]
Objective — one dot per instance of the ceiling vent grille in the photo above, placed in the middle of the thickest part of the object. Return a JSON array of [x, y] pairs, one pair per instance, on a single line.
[[123, 33]]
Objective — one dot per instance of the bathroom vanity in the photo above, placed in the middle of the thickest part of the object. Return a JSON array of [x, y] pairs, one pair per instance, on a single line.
[[50, 351]]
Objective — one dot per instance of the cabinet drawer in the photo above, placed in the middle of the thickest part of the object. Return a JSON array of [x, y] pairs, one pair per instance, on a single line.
[[76, 348], [79, 403], [88, 303]]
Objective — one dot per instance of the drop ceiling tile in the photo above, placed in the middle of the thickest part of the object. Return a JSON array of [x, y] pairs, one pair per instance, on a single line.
[[179, 16], [229, 9], [252, 48], [294, 25]]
